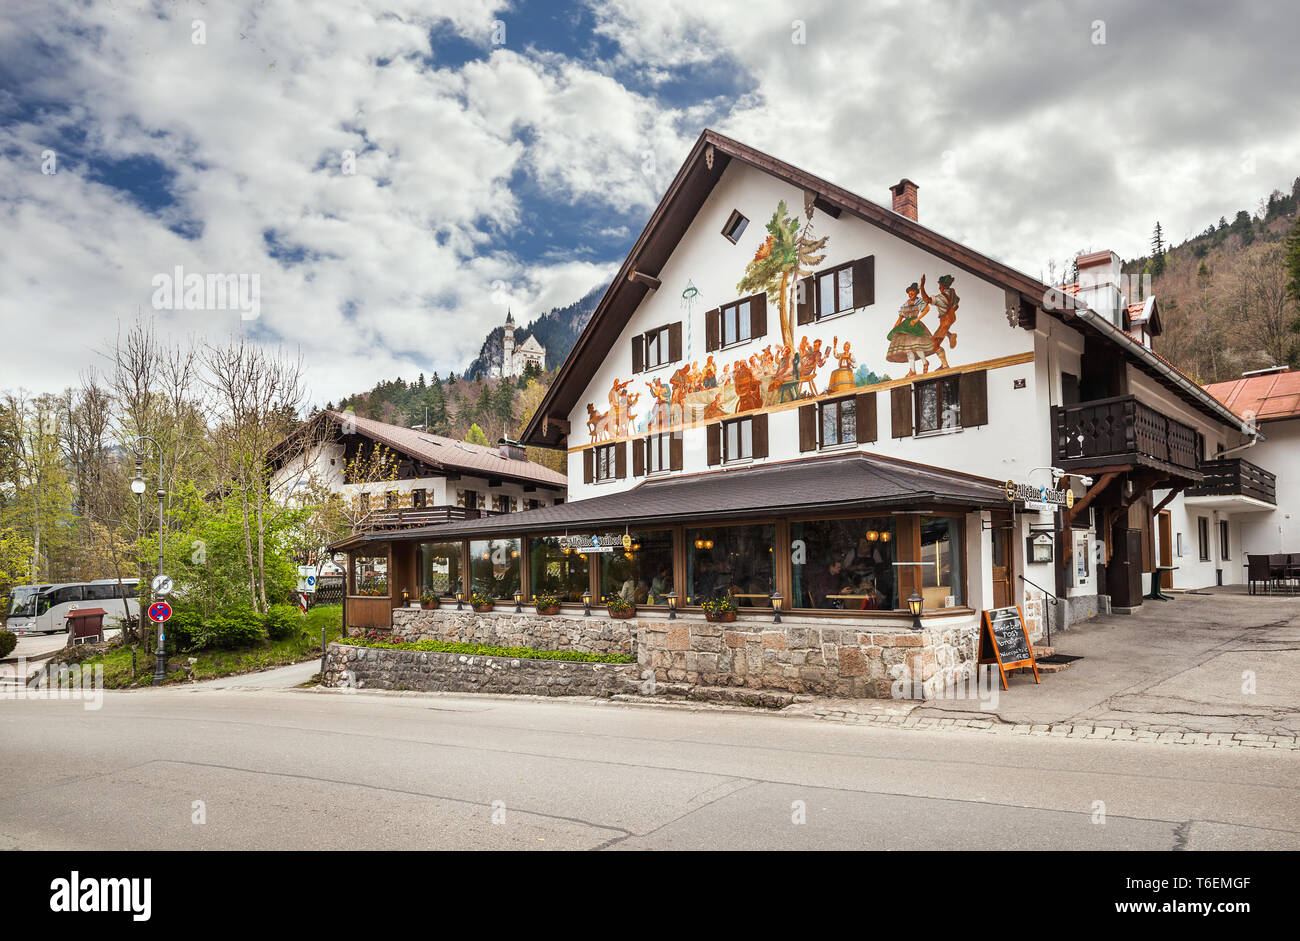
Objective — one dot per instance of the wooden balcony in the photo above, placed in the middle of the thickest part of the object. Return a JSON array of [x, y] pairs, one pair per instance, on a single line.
[[409, 517], [1122, 432], [1235, 477]]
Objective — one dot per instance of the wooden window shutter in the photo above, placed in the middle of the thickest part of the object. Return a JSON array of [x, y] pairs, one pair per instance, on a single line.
[[638, 457], [806, 301], [973, 391], [866, 415], [807, 427], [900, 402], [713, 437], [588, 465], [864, 281], [758, 316], [712, 330], [675, 342], [620, 460], [675, 451], [638, 353], [760, 435]]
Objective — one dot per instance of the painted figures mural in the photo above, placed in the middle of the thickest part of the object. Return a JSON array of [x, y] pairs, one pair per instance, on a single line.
[[789, 370]]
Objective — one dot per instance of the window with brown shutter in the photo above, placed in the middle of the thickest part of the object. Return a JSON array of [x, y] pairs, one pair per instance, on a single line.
[[588, 465], [864, 282], [638, 353], [974, 395], [712, 330], [620, 460], [807, 427], [713, 439], [866, 417], [675, 451], [638, 457], [658, 346], [805, 301], [900, 407], [675, 342], [758, 317], [760, 435]]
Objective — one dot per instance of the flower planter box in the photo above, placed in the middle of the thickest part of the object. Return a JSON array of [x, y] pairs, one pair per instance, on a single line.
[[482, 608], [722, 617], [429, 605], [553, 609], [622, 615]]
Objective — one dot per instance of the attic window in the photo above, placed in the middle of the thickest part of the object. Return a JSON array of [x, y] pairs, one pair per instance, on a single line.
[[735, 226]]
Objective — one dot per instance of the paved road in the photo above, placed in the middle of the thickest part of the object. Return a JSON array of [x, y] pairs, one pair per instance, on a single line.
[[277, 768]]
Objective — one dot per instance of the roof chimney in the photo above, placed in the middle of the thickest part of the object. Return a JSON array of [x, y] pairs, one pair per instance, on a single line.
[[904, 193], [1101, 286]]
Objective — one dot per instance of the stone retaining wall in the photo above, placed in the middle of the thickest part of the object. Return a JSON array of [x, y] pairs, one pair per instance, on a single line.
[[503, 628], [425, 671], [842, 661], [858, 659]]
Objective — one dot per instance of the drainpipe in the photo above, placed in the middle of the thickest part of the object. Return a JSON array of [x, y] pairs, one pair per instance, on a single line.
[[1241, 447]]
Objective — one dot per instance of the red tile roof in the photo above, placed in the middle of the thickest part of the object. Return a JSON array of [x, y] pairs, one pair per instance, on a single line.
[[1271, 396]]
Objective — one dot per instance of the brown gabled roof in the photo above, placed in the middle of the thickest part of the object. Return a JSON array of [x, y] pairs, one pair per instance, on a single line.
[[847, 482], [450, 454], [1271, 397], [673, 215]]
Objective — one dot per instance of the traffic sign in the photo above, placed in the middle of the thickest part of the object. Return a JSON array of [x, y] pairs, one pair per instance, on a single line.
[[162, 585], [159, 611]]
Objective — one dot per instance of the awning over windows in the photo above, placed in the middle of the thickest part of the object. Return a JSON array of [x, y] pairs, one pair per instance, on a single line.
[[830, 484]]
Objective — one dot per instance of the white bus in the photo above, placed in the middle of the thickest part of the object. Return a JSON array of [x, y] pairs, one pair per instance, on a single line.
[[43, 609]]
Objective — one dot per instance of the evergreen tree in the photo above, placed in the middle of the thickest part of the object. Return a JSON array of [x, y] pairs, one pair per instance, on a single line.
[[1293, 265], [475, 435]]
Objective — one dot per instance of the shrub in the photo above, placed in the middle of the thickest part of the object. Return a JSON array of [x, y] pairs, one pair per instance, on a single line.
[[546, 600], [384, 642], [723, 604], [8, 640], [617, 603], [234, 627], [283, 621]]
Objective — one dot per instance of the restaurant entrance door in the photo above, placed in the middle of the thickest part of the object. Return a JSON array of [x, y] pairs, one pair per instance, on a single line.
[[1002, 562]]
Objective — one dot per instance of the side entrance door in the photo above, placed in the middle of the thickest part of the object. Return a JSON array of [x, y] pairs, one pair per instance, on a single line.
[[1002, 563], [1166, 548]]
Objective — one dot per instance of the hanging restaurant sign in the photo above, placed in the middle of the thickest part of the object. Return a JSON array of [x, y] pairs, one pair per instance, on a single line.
[[1039, 498], [597, 543]]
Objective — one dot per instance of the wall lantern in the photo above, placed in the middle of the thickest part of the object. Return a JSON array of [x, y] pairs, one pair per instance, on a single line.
[[776, 607], [914, 603], [514, 553], [406, 597], [586, 603], [884, 537], [672, 605], [519, 598], [872, 535]]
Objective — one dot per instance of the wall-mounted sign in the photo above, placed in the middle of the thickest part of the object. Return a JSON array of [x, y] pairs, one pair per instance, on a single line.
[[1039, 498], [607, 542], [1039, 547]]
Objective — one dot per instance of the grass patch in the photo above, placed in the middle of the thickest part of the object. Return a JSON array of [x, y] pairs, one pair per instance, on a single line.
[[303, 645], [484, 650]]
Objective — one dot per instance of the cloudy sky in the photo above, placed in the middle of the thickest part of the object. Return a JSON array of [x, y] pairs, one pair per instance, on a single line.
[[396, 172]]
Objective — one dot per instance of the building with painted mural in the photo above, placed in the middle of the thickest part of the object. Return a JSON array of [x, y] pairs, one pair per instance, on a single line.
[[792, 396]]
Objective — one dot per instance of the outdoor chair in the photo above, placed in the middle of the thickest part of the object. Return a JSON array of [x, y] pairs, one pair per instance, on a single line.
[[1258, 573]]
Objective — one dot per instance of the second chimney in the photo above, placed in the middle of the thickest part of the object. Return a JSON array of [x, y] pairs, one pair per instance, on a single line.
[[904, 193]]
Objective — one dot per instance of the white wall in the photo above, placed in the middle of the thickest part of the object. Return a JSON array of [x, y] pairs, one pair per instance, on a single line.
[[1278, 531]]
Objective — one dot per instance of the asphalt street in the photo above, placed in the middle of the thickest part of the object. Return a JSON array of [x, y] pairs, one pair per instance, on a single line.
[[255, 764]]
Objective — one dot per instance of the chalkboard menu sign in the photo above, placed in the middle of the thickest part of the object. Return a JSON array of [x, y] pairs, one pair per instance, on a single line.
[[1005, 641]]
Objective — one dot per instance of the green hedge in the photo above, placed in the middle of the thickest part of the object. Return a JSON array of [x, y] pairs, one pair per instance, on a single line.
[[8, 641], [484, 650]]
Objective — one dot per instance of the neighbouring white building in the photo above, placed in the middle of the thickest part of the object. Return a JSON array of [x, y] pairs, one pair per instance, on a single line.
[[1246, 505]]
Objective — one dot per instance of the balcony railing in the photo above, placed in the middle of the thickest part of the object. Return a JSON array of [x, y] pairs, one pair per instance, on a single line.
[[1233, 476], [409, 517], [1121, 430]]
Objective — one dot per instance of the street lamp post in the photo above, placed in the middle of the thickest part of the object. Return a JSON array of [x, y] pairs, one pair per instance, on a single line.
[[138, 488]]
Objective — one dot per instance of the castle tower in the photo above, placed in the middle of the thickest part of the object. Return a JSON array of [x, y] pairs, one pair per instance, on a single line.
[[508, 346]]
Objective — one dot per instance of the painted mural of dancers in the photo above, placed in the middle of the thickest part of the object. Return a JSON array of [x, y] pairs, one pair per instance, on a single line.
[[910, 341], [945, 305]]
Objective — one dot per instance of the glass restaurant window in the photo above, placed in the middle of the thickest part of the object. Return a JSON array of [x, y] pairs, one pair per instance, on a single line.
[[941, 555], [441, 566], [556, 571], [370, 575], [494, 566], [735, 559], [643, 575], [844, 564]]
